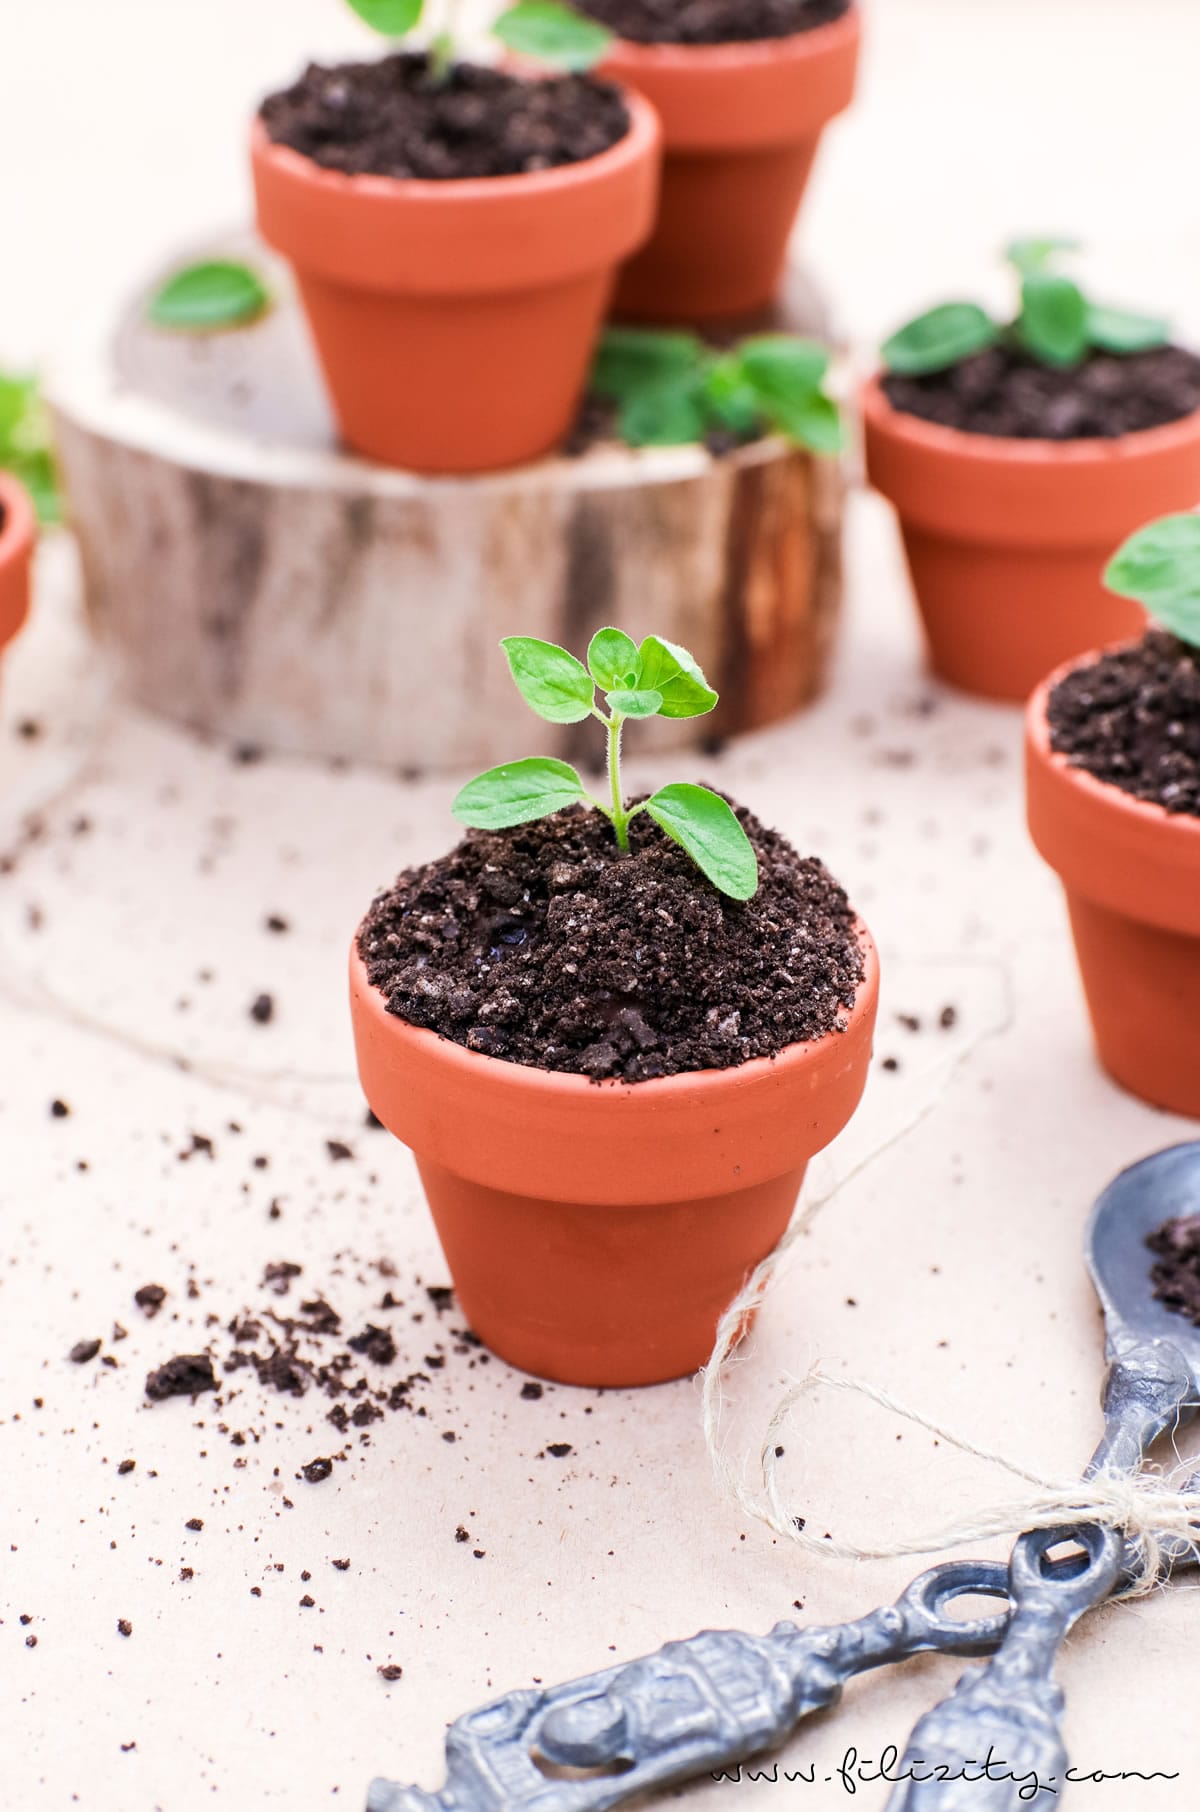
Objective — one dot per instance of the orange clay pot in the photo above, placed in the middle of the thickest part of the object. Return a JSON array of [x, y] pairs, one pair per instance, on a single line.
[[1131, 872], [17, 537], [1007, 539], [741, 123], [455, 321], [595, 1232]]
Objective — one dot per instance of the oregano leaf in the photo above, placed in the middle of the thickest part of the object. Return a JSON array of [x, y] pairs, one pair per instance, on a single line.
[[642, 703], [1117, 330], [814, 422], [1159, 566], [704, 825], [672, 671], [670, 414], [1053, 324], [203, 298], [553, 34], [551, 681], [517, 793], [938, 339], [631, 359], [613, 659], [783, 366], [391, 18]]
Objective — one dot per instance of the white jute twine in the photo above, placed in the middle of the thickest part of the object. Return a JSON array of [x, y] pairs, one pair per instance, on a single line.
[[1158, 1512]]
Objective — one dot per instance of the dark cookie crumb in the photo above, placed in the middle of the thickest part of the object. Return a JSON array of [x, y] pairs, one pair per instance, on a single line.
[[126, 1466], [316, 1470], [59, 1110], [1132, 719], [387, 118], [150, 1299], [262, 1009], [195, 1523], [1002, 391], [83, 1351], [559, 1449], [124, 1627], [390, 1671], [531, 1391], [546, 946]]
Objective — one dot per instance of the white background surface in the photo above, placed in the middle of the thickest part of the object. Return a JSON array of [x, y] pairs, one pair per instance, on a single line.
[[136, 944]]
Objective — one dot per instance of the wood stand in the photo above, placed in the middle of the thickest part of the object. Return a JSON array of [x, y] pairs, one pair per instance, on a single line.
[[254, 582]]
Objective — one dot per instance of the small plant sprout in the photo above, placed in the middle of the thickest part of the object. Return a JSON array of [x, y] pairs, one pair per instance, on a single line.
[[671, 388], [1159, 566], [1057, 324], [25, 448], [656, 680], [549, 31]]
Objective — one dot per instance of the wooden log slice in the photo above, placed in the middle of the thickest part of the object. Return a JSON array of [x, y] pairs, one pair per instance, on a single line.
[[253, 581]]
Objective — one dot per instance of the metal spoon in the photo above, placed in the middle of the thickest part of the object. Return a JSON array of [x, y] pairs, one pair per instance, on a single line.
[[1011, 1710]]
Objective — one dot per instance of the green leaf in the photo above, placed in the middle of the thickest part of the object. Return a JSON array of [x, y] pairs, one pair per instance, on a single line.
[[551, 681], [517, 793], [731, 401], [705, 826], [631, 359], [664, 415], [1160, 567], [642, 703], [938, 339], [782, 366], [1030, 255], [392, 18], [205, 297], [613, 659], [25, 448], [815, 423], [553, 34], [671, 671], [1053, 323], [1116, 330]]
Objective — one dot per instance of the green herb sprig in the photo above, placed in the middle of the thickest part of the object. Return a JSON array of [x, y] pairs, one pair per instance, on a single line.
[[1159, 566], [549, 31], [25, 448], [671, 388], [1056, 323], [657, 679]]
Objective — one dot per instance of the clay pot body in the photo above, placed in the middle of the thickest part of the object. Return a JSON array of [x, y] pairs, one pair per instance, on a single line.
[[17, 536], [596, 1232], [741, 123], [1131, 873], [1007, 539], [455, 321]]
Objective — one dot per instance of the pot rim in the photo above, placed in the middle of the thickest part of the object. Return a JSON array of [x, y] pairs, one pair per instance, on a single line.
[[296, 167], [1141, 812], [528, 1079], [738, 56], [20, 523], [1008, 450]]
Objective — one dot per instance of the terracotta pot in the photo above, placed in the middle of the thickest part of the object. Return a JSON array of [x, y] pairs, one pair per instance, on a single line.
[[1007, 539], [1131, 873], [455, 321], [17, 536], [741, 123], [595, 1232]]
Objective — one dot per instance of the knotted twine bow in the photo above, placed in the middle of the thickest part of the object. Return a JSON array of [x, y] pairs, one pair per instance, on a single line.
[[1158, 1513]]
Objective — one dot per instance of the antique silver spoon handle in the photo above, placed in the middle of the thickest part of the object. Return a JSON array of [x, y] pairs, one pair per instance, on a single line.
[[693, 1707], [1005, 1719]]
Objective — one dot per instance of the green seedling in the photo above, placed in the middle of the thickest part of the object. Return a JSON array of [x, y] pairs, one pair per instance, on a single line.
[[671, 388], [210, 296], [549, 31], [656, 680], [1056, 324], [25, 448], [1159, 566]]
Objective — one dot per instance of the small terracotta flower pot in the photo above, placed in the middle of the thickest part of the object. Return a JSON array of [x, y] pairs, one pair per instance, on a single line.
[[595, 1232], [1007, 539], [455, 321], [741, 124], [17, 536], [1131, 872]]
